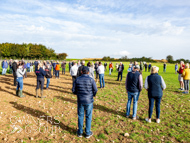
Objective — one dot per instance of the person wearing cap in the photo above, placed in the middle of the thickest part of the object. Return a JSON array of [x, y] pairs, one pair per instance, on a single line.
[[133, 85], [85, 89], [73, 71], [101, 74], [155, 85], [79, 72], [120, 71]]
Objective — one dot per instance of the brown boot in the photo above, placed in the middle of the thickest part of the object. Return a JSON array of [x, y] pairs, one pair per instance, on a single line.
[[42, 94]]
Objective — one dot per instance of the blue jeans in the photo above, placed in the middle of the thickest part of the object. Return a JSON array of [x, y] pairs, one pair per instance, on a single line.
[[20, 83], [84, 108], [151, 106], [57, 73], [4, 71], [135, 101], [101, 77], [63, 70], [110, 71], [48, 81]]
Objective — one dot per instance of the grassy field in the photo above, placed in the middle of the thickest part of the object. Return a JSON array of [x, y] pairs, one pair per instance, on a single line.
[[109, 123]]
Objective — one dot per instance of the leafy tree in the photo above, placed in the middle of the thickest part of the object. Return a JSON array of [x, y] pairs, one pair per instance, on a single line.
[[62, 56], [169, 58]]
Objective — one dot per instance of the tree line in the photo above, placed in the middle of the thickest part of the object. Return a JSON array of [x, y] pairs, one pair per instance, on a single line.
[[29, 51]]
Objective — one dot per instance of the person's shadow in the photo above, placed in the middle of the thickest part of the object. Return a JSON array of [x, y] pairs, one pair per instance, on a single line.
[[39, 114], [98, 107]]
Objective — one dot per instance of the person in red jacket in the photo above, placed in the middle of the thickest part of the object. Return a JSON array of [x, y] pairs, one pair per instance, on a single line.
[[57, 68], [180, 78]]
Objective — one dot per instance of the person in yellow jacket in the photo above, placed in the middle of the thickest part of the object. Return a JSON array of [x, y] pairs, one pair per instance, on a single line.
[[186, 78]]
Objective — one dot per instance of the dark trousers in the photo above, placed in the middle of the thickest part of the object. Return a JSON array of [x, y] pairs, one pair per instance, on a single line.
[[25, 74], [40, 81], [186, 84], [74, 78], [63, 70], [157, 105], [145, 69], [14, 75], [53, 71], [120, 74], [97, 75]]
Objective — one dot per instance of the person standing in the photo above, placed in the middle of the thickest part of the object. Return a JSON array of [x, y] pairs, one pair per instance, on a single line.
[[48, 75], [129, 69], [79, 72], [101, 75], [40, 79], [164, 67], [14, 65], [141, 67], [85, 89], [31, 66], [36, 64], [24, 66], [10, 67], [20, 72], [176, 68], [145, 65], [96, 70], [149, 67], [63, 65], [120, 71], [116, 66], [110, 68], [133, 85], [186, 78], [57, 69], [180, 78], [105, 66], [4, 66], [155, 85], [91, 70], [28, 66], [73, 71], [70, 65], [54, 66]]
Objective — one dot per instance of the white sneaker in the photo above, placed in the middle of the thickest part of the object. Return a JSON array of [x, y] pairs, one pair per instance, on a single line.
[[148, 120], [158, 121]]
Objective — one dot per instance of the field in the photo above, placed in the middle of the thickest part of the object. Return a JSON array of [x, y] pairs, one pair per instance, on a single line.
[[54, 119]]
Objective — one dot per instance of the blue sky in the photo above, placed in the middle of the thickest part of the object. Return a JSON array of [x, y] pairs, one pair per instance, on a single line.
[[97, 28]]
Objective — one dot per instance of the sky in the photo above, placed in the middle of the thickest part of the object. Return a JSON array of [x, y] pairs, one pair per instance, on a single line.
[[97, 28]]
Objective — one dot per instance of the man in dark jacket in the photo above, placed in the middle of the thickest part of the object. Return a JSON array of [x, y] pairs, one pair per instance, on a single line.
[[36, 64], [14, 66], [10, 66], [133, 84], [85, 89], [63, 65], [120, 71], [79, 72]]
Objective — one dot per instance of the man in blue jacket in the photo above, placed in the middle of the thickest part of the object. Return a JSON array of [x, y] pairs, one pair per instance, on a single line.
[[4, 66], [85, 88]]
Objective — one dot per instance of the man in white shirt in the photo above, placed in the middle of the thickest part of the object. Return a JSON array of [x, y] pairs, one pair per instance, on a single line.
[[73, 71], [101, 74]]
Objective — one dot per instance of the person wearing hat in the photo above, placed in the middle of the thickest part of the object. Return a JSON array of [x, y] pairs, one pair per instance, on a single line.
[[85, 89], [133, 85], [155, 85]]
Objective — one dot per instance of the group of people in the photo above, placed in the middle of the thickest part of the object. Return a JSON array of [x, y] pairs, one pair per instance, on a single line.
[[183, 77], [84, 84]]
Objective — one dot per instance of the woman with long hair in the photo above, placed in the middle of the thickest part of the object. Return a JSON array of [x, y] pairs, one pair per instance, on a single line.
[[40, 79], [20, 73]]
